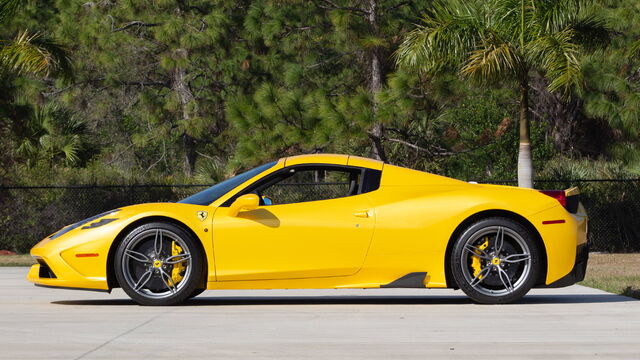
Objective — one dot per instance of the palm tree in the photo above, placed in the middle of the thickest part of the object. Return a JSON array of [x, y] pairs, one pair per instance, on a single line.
[[53, 134], [507, 40], [30, 53]]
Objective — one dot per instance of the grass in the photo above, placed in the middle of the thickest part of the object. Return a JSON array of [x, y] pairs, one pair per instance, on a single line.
[[16, 260], [615, 273]]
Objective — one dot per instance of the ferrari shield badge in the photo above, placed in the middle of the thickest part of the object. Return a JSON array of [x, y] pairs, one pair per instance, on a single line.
[[202, 215]]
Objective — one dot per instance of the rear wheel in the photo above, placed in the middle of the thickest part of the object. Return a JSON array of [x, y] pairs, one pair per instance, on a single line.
[[158, 264], [495, 260]]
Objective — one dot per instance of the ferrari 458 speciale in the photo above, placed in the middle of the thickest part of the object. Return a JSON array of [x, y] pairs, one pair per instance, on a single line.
[[326, 221]]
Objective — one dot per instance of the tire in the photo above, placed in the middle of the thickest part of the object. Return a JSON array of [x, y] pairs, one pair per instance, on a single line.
[[196, 292], [158, 264], [491, 271]]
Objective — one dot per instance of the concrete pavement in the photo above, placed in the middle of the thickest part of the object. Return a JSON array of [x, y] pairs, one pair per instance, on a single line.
[[571, 323]]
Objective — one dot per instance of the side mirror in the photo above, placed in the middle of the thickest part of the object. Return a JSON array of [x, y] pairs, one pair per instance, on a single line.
[[244, 203]]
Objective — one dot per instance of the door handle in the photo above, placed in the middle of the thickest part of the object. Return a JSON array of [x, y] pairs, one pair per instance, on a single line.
[[361, 214]]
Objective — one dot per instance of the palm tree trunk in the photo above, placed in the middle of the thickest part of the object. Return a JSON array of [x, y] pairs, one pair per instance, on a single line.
[[525, 164]]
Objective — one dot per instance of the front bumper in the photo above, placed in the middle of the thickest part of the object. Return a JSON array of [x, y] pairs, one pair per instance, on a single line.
[[59, 274]]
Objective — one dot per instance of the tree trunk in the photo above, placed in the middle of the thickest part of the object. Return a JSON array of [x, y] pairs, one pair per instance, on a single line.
[[375, 85], [572, 132], [189, 145], [181, 87], [525, 164]]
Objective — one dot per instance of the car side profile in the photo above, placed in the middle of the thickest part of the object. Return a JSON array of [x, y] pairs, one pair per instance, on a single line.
[[326, 221]]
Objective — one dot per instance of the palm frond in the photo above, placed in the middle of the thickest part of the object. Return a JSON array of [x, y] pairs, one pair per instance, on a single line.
[[35, 54], [445, 36], [492, 60], [557, 54], [26, 148], [53, 133], [591, 31], [71, 148], [555, 15], [62, 65], [507, 16]]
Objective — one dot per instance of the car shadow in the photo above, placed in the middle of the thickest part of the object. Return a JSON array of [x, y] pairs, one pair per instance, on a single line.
[[204, 300]]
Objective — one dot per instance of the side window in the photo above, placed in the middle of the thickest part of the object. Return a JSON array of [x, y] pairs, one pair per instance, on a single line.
[[312, 184]]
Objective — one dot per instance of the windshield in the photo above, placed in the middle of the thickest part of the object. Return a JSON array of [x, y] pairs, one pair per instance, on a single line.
[[206, 197]]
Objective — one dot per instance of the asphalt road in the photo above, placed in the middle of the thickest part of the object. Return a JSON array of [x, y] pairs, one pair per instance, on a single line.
[[571, 323]]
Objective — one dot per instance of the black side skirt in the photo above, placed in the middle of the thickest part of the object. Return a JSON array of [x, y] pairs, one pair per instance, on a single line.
[[411, 280], [71, 288]]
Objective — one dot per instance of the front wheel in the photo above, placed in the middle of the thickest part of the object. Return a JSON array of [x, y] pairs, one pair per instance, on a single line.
[[495, 261], [158, 264]]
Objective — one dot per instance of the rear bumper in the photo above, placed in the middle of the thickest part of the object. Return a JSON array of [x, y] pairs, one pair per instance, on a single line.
[[564, 236], [577, 273]]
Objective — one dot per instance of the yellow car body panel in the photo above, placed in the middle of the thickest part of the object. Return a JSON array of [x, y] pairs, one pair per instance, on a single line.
[[290, 241], [336, 159], [361, 241], [364, 162]]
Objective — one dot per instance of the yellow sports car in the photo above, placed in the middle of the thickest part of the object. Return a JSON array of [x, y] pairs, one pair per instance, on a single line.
[[326, 221]]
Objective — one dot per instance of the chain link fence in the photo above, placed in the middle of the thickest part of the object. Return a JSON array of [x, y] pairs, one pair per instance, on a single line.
[[28, 214]]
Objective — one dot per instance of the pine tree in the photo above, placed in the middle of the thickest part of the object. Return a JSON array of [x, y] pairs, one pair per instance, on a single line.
[[153, 77], [328, 65]]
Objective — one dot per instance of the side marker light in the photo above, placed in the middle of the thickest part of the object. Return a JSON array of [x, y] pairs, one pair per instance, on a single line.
[[83, 255], [549, 222]]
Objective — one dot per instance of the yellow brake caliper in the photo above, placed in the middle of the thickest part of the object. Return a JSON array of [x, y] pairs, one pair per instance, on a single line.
[[176, 273], [475, 260]]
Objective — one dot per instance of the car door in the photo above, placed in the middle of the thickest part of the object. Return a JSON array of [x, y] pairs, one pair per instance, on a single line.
[[314, 221]]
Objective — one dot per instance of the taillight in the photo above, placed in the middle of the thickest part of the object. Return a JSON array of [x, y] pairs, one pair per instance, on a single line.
[[558, 195]]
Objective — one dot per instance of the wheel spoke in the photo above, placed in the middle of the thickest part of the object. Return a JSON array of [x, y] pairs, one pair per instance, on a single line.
[[499, 240], [477, 251], [168, 281], [481, 276], [176, 259], [137, 256], [144, 279], [514, 258], [157, 243], [504, 277]]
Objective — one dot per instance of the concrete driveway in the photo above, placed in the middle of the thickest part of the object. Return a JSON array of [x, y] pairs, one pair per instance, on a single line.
[[575, 322]]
